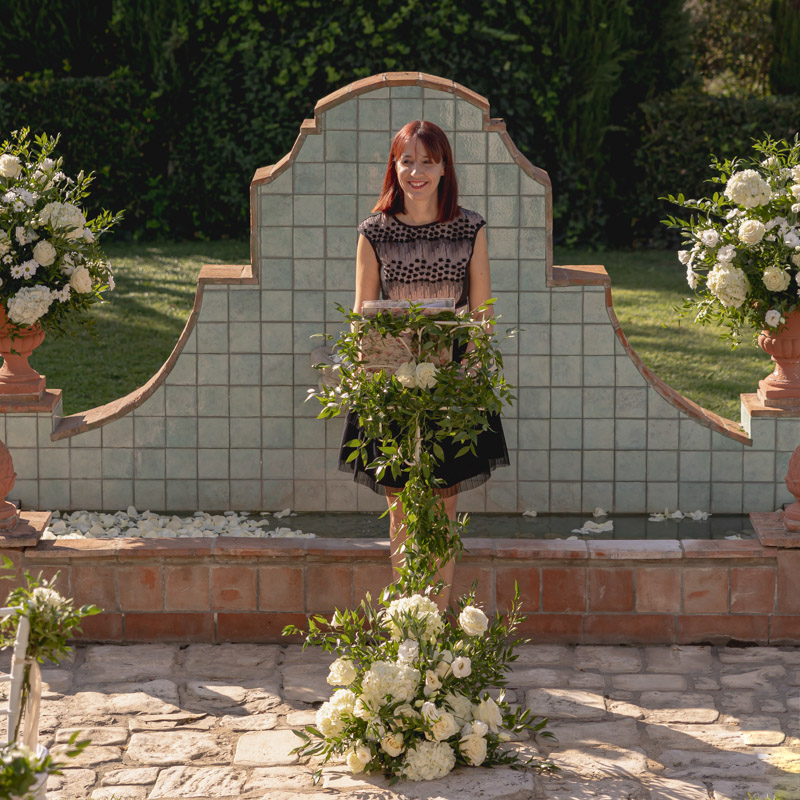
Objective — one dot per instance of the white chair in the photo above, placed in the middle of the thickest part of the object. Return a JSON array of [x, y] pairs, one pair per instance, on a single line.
[[13, 708]]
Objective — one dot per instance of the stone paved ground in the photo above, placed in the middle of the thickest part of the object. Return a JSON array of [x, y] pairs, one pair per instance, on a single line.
[[633, 723]]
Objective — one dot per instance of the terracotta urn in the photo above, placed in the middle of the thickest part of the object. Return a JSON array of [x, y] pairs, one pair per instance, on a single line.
[[781, 388], [19, 381], [9, 514]]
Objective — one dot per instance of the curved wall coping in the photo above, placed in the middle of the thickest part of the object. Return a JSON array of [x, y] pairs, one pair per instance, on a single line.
[[557, 276]]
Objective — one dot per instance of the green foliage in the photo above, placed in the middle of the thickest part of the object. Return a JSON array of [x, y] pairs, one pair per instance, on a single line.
[[681, 130], [732, 44], [784, 71]]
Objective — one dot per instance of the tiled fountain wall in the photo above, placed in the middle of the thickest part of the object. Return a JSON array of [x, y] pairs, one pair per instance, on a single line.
[[224, 424]]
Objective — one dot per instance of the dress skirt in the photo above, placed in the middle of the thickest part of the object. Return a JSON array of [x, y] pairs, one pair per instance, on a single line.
[[458, 474]]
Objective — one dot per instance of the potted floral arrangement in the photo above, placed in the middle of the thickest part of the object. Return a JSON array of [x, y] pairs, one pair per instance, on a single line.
[[742, 256], [53, 619], [51, 266], [422, 690], [24, 773]]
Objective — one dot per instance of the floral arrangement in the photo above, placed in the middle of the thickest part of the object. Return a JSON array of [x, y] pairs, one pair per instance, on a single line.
[[51, 265], [52, 618], [415, 700], [412, 408], [22, 769], [742, 245]]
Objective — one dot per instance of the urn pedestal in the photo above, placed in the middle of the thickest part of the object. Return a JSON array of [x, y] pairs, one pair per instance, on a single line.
[[19, 381], [781, 388]]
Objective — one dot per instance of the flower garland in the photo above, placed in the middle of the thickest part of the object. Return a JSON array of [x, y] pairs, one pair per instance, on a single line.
[[742, 245], [421, 690]]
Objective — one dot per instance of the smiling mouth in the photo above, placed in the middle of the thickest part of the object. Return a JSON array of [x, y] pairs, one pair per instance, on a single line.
[[417, 184]]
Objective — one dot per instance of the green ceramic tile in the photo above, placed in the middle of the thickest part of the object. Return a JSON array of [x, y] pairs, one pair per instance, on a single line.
[[341, 243], [726, 498], [758, 497], [21, 432], [468, 116], [659, 408], [757, 466], [405, 111], [212, 463], [303, 333], [215, 305], [181, 463], [339, 274], [277, 306], [276, 337], [566, 370], [213, 495], [529, 185], [312, 149], [308, 306], [309, 242], [309, 210], [471, 180], [245, 464], [277, 464], [86, 494], [341, 117], [598, 402], [55, 494], [566, 307], [503, 179], [181, 401], [276, 432], [154, 406], [566, 403], [565, 434], [662, 494], [565, 465], [276, 401], [662, 434], [212, 337], [304, 372], [245, 432], [341, 178], [694, 436], [564, 496], [631, 402], [532, 273], [181, 432], [277, 494], [594, 307], [370, 181], [118, 433], [532, 246], [470, 148], [344, 299], [503, 211], [373, 115], [340, 209], [627, 373], [276, 370], [245, 369], [566, 340], [213, 432], [184, 371], [212, 368], [598, 465], [598, 340], [309, 178], [406, 92], [149, 432], [212, 401], [373, 148], [245, 401], [276, 209], [148, 464], [695, 466], [52, 464], [244, 337], [440, 112], [534, 371], [503, 243], [597, 494], [726, 466], [631, 434], [474, 202], [532, 212], [275, 273], [118, 462], [598, 434], [598, 371], [498, 152], [341, 146], [245, 494], [182, 494]]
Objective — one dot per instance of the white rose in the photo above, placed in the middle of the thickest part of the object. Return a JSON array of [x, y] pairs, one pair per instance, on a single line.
[[405, 373], [44, 253], [751, 231], [796, 172], [773, 318], [776, 279], [10, 166], [691, 278], [726, 253], [473, 748], [342, 672], [81, 280], [684, 256], [405, 710], [473, 621], [796, 259], [709, 237], [392, 744], [442, 669], [462, 667], [488, 711], [408, 650], [358, 758], [479, 728], [795, 190], [432, 683], [425, 375], [791, 239], [796, 208], [88, 236], [444, 727]]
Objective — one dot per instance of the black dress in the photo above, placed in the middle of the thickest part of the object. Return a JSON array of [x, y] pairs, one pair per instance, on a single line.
[[423, 262]]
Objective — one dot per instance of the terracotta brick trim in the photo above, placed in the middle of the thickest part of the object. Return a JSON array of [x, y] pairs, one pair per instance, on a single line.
[[215, 274]]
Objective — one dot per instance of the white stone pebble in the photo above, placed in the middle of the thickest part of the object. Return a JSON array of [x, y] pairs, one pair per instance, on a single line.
[[149, 525]]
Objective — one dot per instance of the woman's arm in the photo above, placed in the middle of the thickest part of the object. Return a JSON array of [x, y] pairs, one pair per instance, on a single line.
[[368, 280], [480, 282]]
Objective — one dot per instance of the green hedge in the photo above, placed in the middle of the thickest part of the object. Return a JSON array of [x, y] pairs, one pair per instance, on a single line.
[[681, 131]]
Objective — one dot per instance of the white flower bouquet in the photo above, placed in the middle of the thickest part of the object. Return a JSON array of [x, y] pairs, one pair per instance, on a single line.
[[742, 245], [51, 265], [414, 700]]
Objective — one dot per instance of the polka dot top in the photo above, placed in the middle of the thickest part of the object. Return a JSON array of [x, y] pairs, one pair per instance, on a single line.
[[423, 261]]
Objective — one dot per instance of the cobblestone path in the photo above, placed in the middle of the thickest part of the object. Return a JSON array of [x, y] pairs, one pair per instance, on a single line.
[[633, 723]]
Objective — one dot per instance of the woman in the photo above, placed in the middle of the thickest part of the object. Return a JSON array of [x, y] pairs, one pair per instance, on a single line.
[[419, 243]]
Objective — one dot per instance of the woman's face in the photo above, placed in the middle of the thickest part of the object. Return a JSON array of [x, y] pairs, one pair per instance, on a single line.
[[417, 173]]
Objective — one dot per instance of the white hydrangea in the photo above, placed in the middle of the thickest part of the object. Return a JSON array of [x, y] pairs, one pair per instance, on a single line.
[[64, 215], [45, 598], [429, 761], [419, 607], [776, 279], [728, 284], [726, 253], [396, 681], [748, 189], [29, 304], [330, 721]]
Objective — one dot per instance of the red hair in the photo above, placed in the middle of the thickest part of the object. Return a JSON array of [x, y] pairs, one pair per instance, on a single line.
[[434, 140]]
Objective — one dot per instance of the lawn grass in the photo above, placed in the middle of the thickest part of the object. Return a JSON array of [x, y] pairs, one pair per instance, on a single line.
[[138, 328]]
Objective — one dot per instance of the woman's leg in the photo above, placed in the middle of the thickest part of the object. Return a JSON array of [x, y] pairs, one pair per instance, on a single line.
[[397, 538]]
